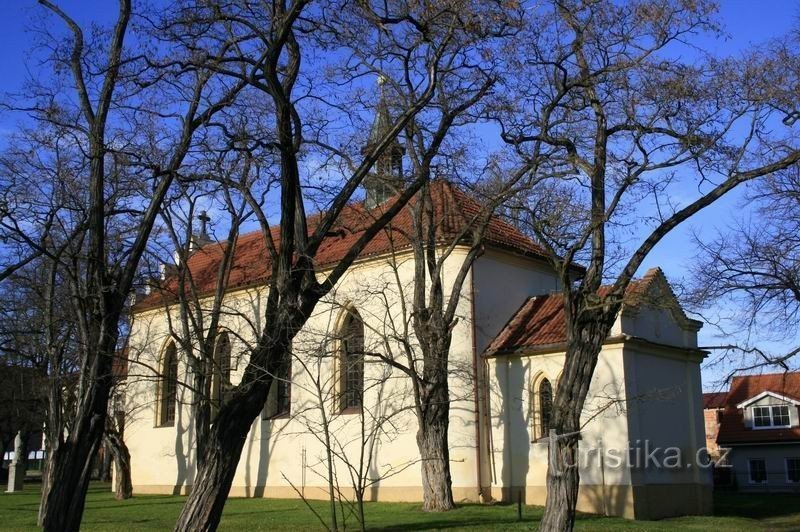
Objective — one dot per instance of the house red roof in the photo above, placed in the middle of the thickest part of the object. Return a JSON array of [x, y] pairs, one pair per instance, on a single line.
[[714, 400], [453, 210], [732, 428], [541, 320]]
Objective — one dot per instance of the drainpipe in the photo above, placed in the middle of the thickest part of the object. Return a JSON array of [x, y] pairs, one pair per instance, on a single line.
[[476, 389]]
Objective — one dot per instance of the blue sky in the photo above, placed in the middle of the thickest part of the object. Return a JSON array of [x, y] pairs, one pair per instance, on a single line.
[[746, 22]]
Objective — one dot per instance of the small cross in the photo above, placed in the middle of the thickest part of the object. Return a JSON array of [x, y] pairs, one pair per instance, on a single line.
[[204, 219]]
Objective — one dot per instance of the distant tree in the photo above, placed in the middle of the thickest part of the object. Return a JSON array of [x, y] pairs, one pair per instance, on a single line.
[[37, 351], [753, 267], [114, 439], [629, 128]]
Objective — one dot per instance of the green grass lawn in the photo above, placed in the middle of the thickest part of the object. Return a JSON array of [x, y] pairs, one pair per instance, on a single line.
[[154, 512]]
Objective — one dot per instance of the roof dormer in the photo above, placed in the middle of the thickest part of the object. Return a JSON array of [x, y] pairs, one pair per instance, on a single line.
[[769, 410]]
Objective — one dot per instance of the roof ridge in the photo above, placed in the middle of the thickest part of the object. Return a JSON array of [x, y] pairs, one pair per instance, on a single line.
[[774, 374]]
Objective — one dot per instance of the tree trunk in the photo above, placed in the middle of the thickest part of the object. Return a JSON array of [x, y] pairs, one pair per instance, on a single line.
[[123, 486], [72, 460], [437, 485], [586, 332], [563, 479], [203, 508], [53, 433], [105, 464], [202, 412], [69, 481], [46, 483]]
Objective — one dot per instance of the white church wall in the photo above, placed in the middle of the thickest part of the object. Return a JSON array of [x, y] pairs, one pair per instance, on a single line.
[[665, 408], [519, 461], [502, 283], [657, 325], [282, 453]]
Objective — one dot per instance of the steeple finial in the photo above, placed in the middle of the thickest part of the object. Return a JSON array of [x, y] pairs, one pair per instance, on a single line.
[[387, 175], [383, 120]]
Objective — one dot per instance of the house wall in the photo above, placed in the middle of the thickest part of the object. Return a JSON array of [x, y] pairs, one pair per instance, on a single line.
[[283, 455], [711, 421], [657, 325], [664, 406], [774, 456]]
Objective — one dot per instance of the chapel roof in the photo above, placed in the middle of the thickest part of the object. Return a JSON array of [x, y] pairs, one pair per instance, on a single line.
[[453, 209], [541, 321]]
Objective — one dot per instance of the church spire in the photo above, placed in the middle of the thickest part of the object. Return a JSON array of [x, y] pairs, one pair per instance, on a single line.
[[386, 177]]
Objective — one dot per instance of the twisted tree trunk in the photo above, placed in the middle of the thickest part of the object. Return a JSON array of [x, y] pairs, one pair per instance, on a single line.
[[71, 466], [203, 508], [68, 482], [586, 331], [123, 485], [437, 484]]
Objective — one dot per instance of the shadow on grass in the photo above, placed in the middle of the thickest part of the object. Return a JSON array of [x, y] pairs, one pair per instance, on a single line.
[[442, 525], [756, 505]]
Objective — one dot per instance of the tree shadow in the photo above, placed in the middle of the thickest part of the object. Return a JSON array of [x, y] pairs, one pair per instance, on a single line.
[[510, 375], [756, 506]]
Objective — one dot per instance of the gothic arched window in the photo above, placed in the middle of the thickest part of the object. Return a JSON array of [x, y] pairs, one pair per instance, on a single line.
[[545, 407], [541, 407], [221, 381], [168, 386], [279, 400], [351, 363]]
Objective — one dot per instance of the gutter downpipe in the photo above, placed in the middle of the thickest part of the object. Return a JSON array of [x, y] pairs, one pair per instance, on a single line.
[[476, 388]]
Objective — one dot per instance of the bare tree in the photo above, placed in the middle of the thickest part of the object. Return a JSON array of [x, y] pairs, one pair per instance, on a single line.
[[754, 267], [428, 51], [627, 126], [349, 459], [197, 323], [114, 435], [103, 112]]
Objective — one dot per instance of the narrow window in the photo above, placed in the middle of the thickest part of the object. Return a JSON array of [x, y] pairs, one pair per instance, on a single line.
[[279, 398], [221, 380], [352, 363], [545, 407], [168, 386], [758, 471]]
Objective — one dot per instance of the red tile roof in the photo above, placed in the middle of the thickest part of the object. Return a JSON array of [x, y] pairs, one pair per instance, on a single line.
[[453, 209], [715, 400], [732, 428], [541, 321]]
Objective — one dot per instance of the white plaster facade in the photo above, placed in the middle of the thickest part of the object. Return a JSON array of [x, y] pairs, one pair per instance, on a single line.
[[646, 386]]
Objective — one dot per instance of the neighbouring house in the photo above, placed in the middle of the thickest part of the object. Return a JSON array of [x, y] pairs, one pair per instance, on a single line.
[[506, 356], [758, 425], [713, 406]]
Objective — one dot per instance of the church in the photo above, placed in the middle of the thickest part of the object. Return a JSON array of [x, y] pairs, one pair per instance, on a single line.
[[642, 440]]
